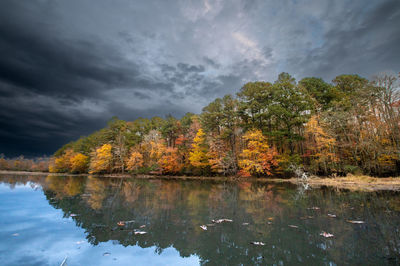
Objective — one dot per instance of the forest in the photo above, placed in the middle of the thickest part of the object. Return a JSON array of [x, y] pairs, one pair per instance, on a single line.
[[351, 125]]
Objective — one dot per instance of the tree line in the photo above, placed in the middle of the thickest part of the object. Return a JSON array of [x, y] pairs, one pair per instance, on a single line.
[[20, 163], [351, 125]]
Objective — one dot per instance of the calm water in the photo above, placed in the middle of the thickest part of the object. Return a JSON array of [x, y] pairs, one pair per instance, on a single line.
[[44, 219]]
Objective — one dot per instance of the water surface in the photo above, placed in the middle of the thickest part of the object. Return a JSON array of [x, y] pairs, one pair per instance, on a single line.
[[44, 219]]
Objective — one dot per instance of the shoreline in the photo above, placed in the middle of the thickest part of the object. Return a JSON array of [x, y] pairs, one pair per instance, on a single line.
[[351, 182]]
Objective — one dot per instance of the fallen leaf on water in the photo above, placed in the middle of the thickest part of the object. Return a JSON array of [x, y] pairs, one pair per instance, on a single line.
[[121, 223], [271, 218], [73, 215], [221, 221], [332, 215], [355, 222], [142, 226], [257, 243], [293, 226], [140, 232], [269, 223], [106, 254], [313, 208], [325, 234], [203, 227]]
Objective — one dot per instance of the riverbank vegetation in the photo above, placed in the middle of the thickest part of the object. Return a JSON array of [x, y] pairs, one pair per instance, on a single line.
[[351, 125], [39, 164]]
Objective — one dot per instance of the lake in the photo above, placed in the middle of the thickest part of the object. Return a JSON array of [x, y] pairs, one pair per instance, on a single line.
[[111, 221]]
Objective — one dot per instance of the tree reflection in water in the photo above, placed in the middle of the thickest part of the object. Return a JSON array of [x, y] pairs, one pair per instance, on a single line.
[[173, 210]]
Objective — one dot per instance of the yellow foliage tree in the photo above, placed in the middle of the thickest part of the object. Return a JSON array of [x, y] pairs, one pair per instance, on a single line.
[[320, 145], [62, 164], [101, 159], [198, 156], [79, 163], [257, 158], [135, 161]]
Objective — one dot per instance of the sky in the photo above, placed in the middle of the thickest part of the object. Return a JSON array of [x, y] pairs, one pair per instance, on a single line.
[[67, 67]]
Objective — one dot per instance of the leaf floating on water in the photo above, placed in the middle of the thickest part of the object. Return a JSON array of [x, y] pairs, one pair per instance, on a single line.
[[73, 215], [245, 223], [258, 243], [131, 221], [121, 223], [293, 226], [203, 227], [221, 221], [332, 215], [271, 218], [313, 208], [325, 234], [142, 226], [355, 222], [269, 222], [140, 232], [106, 254]]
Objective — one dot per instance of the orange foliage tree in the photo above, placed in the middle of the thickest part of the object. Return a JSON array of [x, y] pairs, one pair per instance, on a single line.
[[135, 161], [101, 159], [170, 161], [257, 158]]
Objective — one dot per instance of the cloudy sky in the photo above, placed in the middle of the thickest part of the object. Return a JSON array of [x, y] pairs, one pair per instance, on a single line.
[[66, 67]]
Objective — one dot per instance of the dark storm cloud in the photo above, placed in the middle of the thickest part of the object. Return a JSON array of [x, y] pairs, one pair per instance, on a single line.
[[68, 66], [361, 43]]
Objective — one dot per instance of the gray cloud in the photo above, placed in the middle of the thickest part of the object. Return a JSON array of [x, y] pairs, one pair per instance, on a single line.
[[68, 66]]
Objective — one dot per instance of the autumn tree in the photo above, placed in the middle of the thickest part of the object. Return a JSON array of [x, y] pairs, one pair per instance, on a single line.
[[320, 147], [79, 163], [258, 158], [221, 159], [135, 161], [101, 160], [3, 163], [198, 156], [62, 164], [170, 162]]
